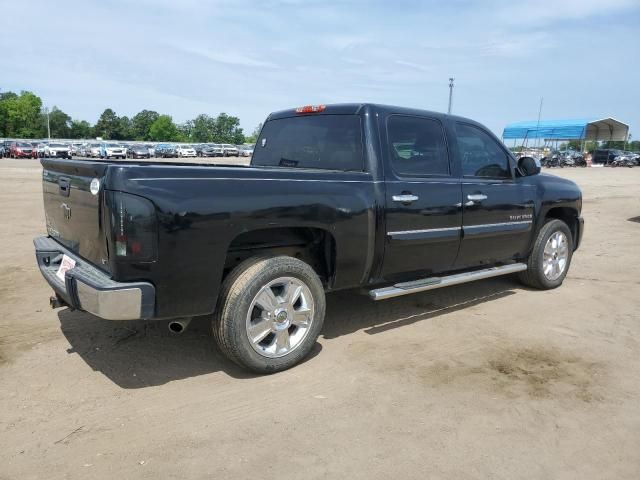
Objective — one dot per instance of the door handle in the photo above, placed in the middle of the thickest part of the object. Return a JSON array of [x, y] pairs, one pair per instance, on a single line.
[[405, 198], [477, 197]]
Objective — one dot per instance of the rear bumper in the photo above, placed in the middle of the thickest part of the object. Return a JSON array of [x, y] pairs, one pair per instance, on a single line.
[[87, 288]]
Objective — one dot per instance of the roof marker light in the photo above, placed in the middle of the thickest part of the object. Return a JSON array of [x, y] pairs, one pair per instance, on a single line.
[[311, 109]]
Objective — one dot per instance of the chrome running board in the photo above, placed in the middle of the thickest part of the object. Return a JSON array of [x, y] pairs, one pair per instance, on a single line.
[[438, 282]]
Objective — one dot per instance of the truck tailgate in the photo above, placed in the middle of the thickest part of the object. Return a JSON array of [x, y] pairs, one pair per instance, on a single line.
[[74, 214]]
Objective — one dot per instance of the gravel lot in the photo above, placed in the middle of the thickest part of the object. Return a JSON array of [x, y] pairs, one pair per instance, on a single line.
[[485, 380]]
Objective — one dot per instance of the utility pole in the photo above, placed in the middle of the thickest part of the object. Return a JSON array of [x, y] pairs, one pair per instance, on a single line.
[[46, 110], [450, 94], [538, 125]]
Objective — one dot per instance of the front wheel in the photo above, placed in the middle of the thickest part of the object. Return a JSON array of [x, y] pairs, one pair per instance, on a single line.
[[270, 313], [549, 261]]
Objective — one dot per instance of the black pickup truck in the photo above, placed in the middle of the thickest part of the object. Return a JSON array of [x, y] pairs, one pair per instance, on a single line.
[[380, 199]]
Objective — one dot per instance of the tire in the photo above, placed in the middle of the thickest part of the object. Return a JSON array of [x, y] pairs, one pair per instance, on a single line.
[[535, 275], [238, 301]]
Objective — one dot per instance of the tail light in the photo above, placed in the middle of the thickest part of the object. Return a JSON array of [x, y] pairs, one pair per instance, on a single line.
[[134, 227], [310, 109]]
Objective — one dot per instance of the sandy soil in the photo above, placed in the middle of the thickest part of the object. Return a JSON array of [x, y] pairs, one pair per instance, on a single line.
[[485, 380]]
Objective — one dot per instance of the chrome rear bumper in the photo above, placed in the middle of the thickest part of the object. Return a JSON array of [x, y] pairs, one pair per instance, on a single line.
[[88, 288]]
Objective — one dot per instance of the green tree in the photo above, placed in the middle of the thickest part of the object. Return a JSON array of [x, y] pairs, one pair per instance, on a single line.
[[184, 131], [203, 129], [20, 115], [125, 129], [141, 123], [613, 144], [108, 125], [164, 130], [80, 129], [59, 123], [227, 130]]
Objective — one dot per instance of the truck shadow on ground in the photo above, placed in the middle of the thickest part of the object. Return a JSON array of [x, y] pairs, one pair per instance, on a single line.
[[139, 354]]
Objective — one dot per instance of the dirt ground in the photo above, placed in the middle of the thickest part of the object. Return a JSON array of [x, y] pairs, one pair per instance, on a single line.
[[485, 380]]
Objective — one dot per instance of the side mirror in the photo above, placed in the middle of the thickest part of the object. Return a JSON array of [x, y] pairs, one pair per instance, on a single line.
[[527, 166]]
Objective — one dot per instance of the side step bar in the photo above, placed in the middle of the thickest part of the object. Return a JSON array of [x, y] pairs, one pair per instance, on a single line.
[[416, 286]]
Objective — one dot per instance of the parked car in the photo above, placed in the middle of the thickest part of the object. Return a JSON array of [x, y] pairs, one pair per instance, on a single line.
[[229, 150], [605, 156], [245, 150], [112, 150], [185, 151], [138, 151], [21, 150], [75, 148], [40, 149], [213, 150], [93, 150], [165, 150], [627, 159], [198, 148], [152, 150], [6, 148], [58, 150], [361, 197]]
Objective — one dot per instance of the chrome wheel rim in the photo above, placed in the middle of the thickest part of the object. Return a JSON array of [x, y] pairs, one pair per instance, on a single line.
[[556, 256], [280, 317]]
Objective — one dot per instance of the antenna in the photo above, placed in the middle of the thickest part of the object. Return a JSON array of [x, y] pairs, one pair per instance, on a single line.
[[450, 94]]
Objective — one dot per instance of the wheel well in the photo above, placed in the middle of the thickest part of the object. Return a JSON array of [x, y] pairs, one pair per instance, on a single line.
[[314, 246], [568, 216]]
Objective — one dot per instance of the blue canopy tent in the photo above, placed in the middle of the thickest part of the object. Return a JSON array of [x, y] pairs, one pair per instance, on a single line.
[[554, 130]]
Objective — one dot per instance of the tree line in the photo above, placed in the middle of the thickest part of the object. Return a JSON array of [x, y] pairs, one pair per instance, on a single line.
[[23, 116]]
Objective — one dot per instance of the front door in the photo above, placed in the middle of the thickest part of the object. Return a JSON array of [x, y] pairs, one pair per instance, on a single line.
[[423, 200], [497, 216]]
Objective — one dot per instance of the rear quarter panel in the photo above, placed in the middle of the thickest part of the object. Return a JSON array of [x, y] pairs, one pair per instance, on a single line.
[[202, 209]]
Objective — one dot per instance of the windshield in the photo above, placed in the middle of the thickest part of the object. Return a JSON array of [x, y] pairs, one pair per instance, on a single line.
[[332, 142], [23, 144], [57, 145], [112, 145]]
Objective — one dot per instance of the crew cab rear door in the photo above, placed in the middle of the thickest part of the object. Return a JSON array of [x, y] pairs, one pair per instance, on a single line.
[[497, 217], [423, 213]]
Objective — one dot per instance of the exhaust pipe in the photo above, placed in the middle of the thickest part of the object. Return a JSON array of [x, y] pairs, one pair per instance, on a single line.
[[56, 302], [179, 326]]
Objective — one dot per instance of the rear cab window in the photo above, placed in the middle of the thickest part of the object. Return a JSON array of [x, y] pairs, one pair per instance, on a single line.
[[326, 142], [417, 146]]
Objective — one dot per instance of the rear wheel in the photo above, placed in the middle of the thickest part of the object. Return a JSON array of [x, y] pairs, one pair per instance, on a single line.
[[550, 259], [270, 313]]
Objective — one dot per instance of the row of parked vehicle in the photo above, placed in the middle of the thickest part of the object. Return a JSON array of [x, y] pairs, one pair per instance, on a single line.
[[573, 158], [109, 150], [16, 149]]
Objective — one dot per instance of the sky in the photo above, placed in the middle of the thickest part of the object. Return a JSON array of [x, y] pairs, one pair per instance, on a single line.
[[249, 58]]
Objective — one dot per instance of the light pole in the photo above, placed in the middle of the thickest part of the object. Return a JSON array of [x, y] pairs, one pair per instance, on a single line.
[[450, 94], [46, 110]]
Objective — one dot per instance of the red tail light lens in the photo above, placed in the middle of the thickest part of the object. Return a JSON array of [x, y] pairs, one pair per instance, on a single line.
[[134, 227], [311, 109]]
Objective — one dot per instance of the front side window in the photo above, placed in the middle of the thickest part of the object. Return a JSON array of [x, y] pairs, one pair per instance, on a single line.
[[329, 142], [417, 146], [480, 154]]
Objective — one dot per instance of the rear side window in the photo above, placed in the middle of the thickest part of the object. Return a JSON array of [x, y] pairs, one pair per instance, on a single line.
[[417, 146], [480, 154], [330, 142]]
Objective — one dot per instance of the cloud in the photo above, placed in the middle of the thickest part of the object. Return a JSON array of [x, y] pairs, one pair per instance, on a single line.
[[229, 58]]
